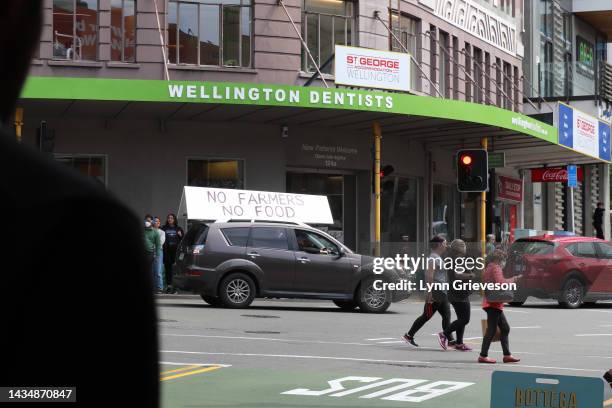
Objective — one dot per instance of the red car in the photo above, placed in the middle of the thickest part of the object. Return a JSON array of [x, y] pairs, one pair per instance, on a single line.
[[573, 270]]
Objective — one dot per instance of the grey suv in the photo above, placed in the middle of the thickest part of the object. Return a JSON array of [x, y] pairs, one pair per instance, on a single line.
[[231, 263]]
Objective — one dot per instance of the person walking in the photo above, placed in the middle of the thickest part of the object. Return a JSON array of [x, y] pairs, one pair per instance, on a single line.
[[435, 300], [598, 220], [152, 245], [490, 247], [495, 311], [159, 256], [459, 298], [174, 235]]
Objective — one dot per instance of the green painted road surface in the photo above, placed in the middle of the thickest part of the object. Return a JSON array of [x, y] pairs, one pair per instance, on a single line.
[[310, 354]]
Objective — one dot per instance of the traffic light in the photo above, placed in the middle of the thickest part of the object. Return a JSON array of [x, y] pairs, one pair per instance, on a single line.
[[472, 170], [386, 171]]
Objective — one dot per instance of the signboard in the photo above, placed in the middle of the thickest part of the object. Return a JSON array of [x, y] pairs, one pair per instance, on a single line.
[[572, 176], [585, 58], [553, 175], [584, 133], [518, 390], [203, 203], [497, 160], [368, 68], [509, 188]]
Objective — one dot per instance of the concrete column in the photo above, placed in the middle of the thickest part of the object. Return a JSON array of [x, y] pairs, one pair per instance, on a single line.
[[604, 197], [588, 205], [550, 205]]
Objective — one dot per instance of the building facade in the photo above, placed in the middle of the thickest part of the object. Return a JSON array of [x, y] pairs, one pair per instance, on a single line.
[[241, 68]]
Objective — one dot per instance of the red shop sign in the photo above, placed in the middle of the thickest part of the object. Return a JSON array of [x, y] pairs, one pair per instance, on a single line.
[[552, 175], [509, 189]]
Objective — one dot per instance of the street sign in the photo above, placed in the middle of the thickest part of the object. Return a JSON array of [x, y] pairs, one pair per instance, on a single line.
[[518, 390], [572, 176], [497, 160]]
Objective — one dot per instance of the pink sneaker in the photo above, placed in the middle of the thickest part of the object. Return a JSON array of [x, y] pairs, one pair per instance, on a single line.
[[463, 347], [442, 340]]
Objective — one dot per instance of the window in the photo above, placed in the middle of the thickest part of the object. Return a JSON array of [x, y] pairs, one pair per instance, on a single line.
[[236, 236], [444, 61], [75, 29], [532, 248], [92, 166], [123, 30], [325, 23], [468, 72], [312, 242], [582, 250], [406, 29], [268, 237], [507, 86], [605, 250], [196, 235], [220, 173], [478, 92], [210, 32]]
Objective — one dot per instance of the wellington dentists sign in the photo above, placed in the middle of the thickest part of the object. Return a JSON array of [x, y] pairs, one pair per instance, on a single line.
[[583, 133], [203, 203], [369, 68]]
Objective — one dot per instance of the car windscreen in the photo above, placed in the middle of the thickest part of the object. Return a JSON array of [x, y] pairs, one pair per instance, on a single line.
[[196, 235], [532, 248]]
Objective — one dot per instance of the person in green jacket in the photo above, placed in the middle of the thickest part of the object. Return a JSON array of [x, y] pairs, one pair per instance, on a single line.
[[152, 246]]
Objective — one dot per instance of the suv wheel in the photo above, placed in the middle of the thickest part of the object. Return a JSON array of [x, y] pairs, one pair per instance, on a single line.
[[346, 304], [211, 300], [237, 290], [372, 300], [572, 294]]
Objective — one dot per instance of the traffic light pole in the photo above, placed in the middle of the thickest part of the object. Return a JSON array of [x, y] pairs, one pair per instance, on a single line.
[[377, 139], [483, 210]]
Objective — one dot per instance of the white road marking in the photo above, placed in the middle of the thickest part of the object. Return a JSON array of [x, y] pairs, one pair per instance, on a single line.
[[391, 342], [597, 311], [599, 356], [198, 364], [525, 327], [505, 310], [267, 339], [381, 338], [371, 360], [605, 325], [593, 334], [472, 338]]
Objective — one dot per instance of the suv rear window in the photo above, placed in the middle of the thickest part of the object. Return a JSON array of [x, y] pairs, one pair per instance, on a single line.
[[236, 236], [196, 235], [533, 247], [269, 237]]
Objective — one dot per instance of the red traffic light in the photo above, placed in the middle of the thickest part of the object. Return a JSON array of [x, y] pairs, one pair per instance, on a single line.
[[386, 170], [466, 160]]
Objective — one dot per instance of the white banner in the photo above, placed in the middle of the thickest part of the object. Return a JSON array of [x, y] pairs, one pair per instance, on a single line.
[[368, 68], [586, 134], [202, 203]]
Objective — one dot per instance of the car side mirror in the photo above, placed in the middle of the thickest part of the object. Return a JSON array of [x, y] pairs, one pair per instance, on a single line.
[[341, 252]]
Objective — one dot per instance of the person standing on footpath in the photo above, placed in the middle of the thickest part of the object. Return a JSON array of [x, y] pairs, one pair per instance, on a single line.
[[495, 310], [435, 300], [598, 220], [152, 247], [174, 235], [159, 256], [459, 298]]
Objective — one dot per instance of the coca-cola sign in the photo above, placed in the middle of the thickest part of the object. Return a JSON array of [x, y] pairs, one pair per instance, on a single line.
[[552, 175]]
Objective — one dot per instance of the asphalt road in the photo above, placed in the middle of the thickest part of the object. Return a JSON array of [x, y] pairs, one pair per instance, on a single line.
[[311, 354]]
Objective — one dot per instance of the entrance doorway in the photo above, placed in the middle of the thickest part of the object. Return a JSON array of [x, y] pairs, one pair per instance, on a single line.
[[340, 189]]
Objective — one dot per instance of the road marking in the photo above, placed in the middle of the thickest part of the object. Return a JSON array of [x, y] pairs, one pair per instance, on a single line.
[[391, 342], [195, 364], [598, 356], [176, 370], [593, 334], [381, 338], [525, 327], [201, 370], [267, 339], [371, 360], [505, 310]]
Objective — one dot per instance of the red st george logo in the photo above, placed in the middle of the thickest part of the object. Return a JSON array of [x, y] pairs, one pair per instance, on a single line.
[[372, 61]]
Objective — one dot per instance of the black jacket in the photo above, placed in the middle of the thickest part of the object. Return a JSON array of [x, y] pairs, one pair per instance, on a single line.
[[598, 217], [71, 313]]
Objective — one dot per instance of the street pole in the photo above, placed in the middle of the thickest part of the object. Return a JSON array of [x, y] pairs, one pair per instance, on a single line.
[[483, 210], [18, 123], [377, 138]]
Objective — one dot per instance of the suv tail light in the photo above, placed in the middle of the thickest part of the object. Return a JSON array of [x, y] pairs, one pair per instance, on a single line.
[[195, 249], [193, 272]]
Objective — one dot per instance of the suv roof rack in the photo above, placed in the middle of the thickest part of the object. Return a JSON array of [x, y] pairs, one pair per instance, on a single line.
[[263, 221]]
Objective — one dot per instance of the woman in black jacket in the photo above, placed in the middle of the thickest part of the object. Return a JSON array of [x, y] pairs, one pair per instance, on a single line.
[[174, 235], [459, 299]]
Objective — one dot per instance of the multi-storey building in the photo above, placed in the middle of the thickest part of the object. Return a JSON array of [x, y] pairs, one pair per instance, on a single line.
[[147, 96]]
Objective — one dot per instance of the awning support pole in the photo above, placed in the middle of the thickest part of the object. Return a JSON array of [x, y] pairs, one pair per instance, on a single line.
[[162, 42], [280, 3], [483, 210], [377, 138], [18, 123], [322, 67], [416, 63]]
